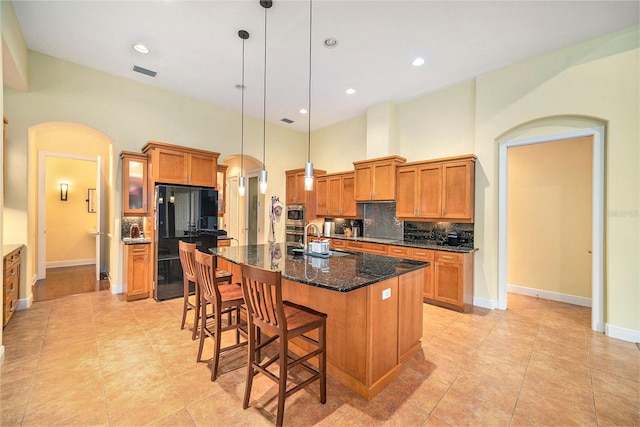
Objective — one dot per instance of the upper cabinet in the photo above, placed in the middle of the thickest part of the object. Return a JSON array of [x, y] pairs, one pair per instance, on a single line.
[[134, 183], [335, 195], [172, 164], [438, 190], [295, 192], [375, 178]]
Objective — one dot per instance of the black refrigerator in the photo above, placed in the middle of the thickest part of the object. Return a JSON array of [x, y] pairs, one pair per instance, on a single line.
[[181, 213]]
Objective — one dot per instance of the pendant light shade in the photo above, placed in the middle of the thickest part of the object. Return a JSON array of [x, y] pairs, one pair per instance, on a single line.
[[244, 35], [308, 167], [266, 4]]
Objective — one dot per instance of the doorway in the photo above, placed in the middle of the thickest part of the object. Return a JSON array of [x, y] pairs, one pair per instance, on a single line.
[[597, 215], [253, 203], [69, 212]]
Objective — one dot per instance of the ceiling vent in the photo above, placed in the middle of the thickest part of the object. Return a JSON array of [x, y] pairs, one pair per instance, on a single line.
[[144, 71], [289, 121]]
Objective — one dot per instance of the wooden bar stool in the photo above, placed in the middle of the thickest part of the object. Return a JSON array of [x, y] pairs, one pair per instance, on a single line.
[[225, 298], [187, 259], [282, 320]]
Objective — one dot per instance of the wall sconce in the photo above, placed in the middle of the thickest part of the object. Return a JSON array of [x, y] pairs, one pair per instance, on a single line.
[[64, 190]]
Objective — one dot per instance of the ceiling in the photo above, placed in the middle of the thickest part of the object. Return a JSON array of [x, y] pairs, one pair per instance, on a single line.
[[196, 51]]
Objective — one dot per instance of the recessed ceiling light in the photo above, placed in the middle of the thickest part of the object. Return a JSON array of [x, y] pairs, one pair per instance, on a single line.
[[350, 91], [417, 62], [330, 42], [141, 48], [303, 111]]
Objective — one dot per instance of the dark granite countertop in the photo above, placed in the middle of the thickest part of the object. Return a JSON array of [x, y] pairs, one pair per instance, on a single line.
[[424, 244], [342, 272]]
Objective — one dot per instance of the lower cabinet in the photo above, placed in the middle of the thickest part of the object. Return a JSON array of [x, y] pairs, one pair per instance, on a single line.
[[11, 289], [448, 281], [136, 271], [453, 280]]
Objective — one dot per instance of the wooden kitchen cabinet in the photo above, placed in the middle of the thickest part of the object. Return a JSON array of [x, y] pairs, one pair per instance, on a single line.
[[11, 288], [136, 271], [335, 195], [375, 178], [295, 192], [418, 254], [134, 183], [172, 164], [438, 190], [453, 280]]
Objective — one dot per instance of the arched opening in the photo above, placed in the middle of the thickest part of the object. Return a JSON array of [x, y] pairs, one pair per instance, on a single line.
[[542, 131], [84, 156]]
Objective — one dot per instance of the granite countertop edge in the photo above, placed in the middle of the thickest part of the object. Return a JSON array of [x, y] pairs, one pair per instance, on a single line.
[[410, 244], [335, 277]]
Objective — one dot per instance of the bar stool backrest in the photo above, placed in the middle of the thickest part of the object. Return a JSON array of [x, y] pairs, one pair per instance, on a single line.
[[262, 290], [187, 259]]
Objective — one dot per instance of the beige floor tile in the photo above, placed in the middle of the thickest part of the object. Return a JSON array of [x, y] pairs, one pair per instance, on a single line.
[[142, 404], [459, 408], [181, 418], [131, 382], [617, 399]]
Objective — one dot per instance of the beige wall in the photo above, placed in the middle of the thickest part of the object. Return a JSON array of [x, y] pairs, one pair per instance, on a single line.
[[597, 79], [335, 148], [68, 222], [549, 210], [129, 114]]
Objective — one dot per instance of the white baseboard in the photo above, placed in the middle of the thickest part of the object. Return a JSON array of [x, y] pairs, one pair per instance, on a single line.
[[24, 303], [1, 354], [116, 289], [71, 263], [622, 333], [553, 296], [485, 303]]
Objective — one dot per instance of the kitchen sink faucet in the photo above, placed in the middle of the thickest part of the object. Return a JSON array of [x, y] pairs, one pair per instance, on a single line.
[[306, 229]]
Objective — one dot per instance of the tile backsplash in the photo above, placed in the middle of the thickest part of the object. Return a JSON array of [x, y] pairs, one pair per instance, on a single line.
[[127, 221], [438, 231], [380, 221]]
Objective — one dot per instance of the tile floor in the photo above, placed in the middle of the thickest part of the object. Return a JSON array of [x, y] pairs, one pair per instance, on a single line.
[[94, 359]]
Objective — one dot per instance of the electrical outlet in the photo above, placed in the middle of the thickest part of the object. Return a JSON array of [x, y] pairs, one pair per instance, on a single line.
[[386, 293]]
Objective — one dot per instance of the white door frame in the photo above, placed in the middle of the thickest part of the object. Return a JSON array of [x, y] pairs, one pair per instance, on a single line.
[[42, 208], [597, 228]]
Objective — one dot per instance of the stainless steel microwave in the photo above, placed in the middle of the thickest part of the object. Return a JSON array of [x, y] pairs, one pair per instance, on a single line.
[[295, 215]]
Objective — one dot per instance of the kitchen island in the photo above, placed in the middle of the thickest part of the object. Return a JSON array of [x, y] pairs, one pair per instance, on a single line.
[[373, 305]]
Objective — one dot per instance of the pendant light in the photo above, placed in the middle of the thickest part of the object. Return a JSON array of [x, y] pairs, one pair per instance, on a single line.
[[262, 180], [308, 167], [244, 35]]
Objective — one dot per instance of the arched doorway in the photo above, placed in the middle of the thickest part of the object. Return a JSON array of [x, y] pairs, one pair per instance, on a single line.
[[597, 132]]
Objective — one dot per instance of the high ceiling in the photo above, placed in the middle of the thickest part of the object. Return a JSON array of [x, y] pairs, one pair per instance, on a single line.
[[196, 51]]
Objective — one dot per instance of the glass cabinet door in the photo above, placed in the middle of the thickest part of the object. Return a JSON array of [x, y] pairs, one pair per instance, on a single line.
[[134, 184]]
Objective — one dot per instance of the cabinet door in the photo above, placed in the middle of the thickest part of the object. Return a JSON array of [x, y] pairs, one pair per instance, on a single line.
[[291, 189], [203, 170], [334, 204], [448, 283], [134, 186], [363, 183], [348, 195], [425, 255], [457, 200], [384, 182], [170, 167], [406, 198], [302, 193], [429, 191], [322, 195], [138, 274]]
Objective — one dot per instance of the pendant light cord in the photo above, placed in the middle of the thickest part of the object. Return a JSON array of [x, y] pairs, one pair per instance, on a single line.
[[309, 105], [242, 117], [264, 96]]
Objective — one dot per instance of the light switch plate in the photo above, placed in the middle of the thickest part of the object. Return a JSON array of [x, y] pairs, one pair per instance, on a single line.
[[386, 293]]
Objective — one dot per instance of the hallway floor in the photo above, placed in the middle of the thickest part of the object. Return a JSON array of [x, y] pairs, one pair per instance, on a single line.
[[94, 359]]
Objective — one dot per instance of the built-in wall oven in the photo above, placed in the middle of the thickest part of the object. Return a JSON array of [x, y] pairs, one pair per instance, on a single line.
[[294, 225]]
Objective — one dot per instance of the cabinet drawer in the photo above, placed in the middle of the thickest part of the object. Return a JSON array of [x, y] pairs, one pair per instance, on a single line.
[[421, 254], [139, 249], [338, 243], [12, 259], [398, 251], [453, 257], [367, 247]]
